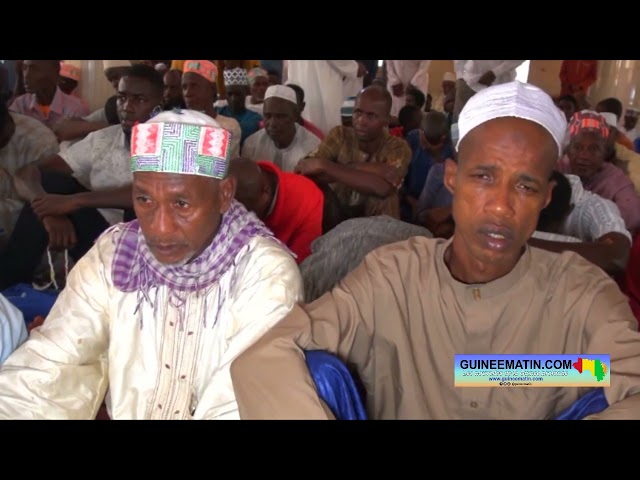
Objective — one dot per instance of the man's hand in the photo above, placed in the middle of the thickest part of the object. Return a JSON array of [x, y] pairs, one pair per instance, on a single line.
[[398, 90], [61, 233], [55, 205], [311, 167], [35, 323], [388, 172], [439, 221], [25, 181], [487, 78]]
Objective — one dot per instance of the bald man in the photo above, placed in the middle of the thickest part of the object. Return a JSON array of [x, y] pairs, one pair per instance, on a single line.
[[290, 205], [364, 164]]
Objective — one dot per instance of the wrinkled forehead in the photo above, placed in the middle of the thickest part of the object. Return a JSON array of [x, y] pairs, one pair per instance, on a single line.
[[510, 132], [177, 183], [587, 136]]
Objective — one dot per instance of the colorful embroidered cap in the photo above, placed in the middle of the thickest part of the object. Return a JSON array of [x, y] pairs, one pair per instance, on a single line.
[[235, 76], [590, 121], [107, 64], [204, 68], [69, 70], [255, 73], [181, 141]]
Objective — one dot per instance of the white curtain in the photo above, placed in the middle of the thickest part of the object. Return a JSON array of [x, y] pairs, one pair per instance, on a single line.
[[619, 79], [93, 86]]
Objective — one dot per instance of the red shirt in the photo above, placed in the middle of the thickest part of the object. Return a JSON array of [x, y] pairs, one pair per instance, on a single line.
[[630, 282], [397, 132], [296, 219]]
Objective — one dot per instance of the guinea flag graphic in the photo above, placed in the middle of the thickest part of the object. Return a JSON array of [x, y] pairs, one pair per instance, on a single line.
[[596, 367]]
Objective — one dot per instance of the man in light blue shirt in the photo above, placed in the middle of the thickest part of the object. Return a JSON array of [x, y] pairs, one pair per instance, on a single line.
[[13, 330]]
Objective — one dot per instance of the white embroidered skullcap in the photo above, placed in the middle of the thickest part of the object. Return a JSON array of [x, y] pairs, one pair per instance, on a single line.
[[235, 76], [347, 107], [190, 117], [513, 99], [281, 91], [449, 77], [115, 63], [611, 119]]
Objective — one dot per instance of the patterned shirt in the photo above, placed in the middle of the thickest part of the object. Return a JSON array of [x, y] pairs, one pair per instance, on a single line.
[[101, 161], [341, 146], [591, 218]]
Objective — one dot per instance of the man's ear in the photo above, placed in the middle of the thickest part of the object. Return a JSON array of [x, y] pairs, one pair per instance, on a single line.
[[552, 185], [450, 172], [227, 192]]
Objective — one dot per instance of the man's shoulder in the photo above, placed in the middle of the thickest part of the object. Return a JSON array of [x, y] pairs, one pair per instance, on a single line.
[[255, 137], [299, 184], [106, 242], [401, 255], [305, 134], [413, 138], [30, 126], [21, 102], [75, 102], [228, 123], [110, 132], [252, 115], [89, 145], [264, 256], [568, 268], [414, 245], [396, 145], [620, 179]]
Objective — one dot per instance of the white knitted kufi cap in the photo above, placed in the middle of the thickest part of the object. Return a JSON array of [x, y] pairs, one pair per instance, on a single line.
[[513, 99]]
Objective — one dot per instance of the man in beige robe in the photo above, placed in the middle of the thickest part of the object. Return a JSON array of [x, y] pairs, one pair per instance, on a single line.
[[402, 315]]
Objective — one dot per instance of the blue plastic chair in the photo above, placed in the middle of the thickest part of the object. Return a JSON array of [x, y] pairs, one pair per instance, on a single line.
[[590, 403], [335, 385], [29, 301]]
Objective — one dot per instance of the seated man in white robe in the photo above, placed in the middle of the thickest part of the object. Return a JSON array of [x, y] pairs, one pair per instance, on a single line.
[[282, 141], [159, 307]]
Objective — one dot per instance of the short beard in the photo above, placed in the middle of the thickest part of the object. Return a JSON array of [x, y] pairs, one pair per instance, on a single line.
[[180, 263]]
